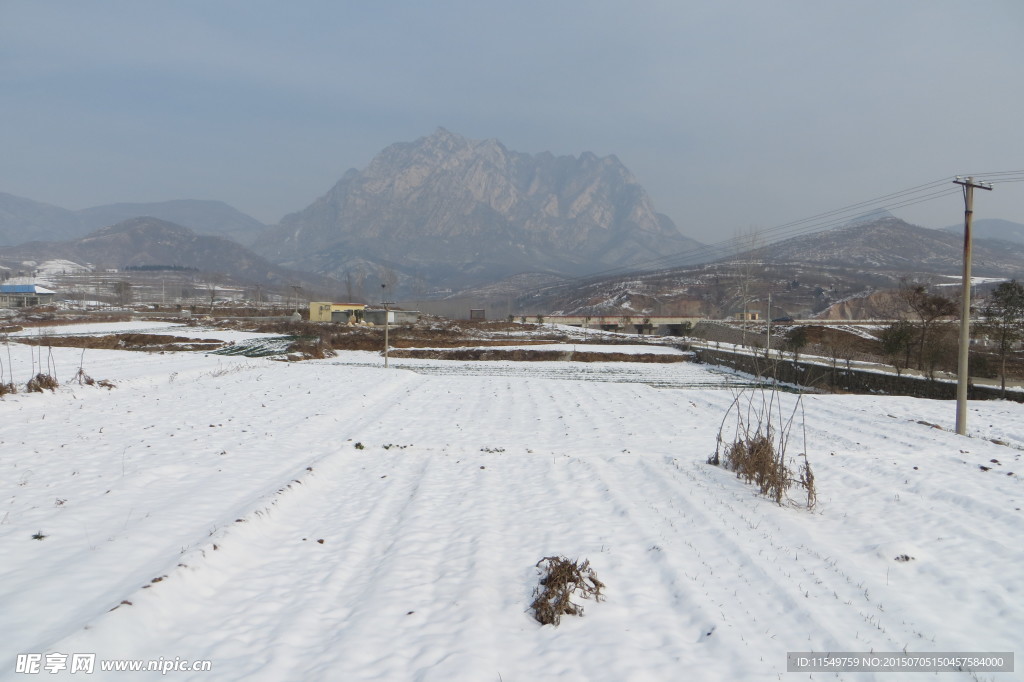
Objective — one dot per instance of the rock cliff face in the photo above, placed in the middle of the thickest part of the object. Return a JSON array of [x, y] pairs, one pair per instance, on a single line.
[[454, 211]]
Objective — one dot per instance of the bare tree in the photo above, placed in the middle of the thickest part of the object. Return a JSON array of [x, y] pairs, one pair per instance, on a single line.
[[836, 344], [1004, 322], [929, 307], [348, 286], [796, 339], [388, 280], [212, 281], [846, 348], [748, 246], [939, 350], [358, 281], [713, 299], [897, 340], [123, 292]]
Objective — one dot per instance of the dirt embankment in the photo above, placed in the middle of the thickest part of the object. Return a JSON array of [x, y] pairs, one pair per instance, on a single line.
[[525, 355], [143, 342]]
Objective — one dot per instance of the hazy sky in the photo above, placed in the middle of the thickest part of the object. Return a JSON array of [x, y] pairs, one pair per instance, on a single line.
[[735, 115]]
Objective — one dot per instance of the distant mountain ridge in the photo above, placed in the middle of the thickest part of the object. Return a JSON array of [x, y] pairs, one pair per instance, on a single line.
[[805, 274], [456, 211], [214, 218], [150, 241], [992, 228], [893, 245], [23, 220]]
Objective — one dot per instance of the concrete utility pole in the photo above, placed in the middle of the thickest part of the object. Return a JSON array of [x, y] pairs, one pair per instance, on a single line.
[[965, 312], [387, 321]]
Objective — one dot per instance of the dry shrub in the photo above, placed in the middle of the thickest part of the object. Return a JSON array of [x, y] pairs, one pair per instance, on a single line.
[[561, 579], [755, 460], [7, 388], [83, 378], [41, 382], [757, 449]]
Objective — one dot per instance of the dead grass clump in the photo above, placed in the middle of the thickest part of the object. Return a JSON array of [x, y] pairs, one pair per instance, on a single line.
[[757, 448], [755, 460], [561, 579], [7, 388], [84, 379], [41, 382]]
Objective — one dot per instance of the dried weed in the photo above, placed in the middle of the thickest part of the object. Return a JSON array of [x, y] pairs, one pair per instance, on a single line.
[[561, 579]]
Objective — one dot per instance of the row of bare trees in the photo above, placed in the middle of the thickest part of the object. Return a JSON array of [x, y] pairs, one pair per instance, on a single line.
[[1003, 322], [922, 339], [926, 343]]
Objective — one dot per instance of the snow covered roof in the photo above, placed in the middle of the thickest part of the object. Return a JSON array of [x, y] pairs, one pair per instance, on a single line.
[[24, 289]]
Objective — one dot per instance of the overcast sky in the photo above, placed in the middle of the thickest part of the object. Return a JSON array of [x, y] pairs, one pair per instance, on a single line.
[[734, 115]]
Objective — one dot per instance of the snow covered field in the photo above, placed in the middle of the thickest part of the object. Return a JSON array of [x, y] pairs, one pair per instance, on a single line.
[[333, 520]]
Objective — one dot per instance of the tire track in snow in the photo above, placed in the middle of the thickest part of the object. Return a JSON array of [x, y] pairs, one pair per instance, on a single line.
[[271, 590], [800, 579], [723, 573], [253, 492], [854, 585], [379, 575]]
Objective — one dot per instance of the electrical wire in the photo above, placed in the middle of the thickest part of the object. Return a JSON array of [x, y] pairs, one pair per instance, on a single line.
[[819, 222], [816, 223]]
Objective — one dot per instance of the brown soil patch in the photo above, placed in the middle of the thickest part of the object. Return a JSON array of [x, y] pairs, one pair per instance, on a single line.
[[524, 355], [145, 342]]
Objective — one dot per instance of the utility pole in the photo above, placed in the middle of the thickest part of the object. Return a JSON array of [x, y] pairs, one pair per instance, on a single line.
[[965, 311], [387, 321]]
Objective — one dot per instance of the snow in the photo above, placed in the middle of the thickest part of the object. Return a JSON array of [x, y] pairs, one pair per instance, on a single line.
[[183, 512], [142, 327], [101, 328], [59, 266]]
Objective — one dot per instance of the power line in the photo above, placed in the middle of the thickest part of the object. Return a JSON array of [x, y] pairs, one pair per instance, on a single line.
[[910, 196], [991, 173]]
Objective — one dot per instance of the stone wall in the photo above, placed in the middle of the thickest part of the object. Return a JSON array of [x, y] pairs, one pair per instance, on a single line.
[[824, 377]]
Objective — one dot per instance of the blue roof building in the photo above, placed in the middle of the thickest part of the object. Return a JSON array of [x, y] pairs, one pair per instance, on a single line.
[[24, 295]]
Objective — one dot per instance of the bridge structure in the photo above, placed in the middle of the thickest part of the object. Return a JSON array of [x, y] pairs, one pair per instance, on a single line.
[[630, 324], [661, 325]]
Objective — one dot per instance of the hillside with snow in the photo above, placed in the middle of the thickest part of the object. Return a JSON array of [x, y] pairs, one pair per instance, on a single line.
[[335, 520]]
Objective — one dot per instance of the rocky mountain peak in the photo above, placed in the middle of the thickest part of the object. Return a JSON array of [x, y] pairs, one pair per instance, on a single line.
[[457, 211]]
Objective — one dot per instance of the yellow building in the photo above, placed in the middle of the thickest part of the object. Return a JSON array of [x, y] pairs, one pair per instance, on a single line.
[[320, 311]]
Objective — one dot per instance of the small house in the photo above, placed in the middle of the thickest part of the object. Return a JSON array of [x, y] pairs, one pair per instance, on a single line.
[[320, 311], [24, 295], [394, 317]]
